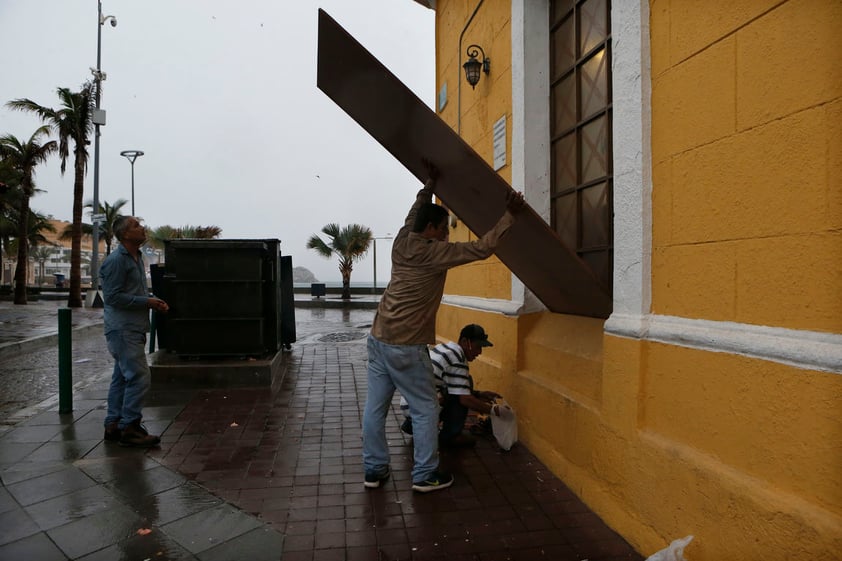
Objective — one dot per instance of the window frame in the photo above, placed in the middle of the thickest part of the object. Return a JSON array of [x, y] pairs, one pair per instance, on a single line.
[[587, 252]]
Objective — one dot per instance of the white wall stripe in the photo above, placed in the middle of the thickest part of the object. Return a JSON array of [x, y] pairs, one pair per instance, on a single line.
[[811, 350], [492, 305], [530, 159], [631, 117]]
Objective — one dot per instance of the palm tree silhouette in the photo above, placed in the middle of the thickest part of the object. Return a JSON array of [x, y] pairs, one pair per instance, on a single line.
[[106, 228], [25, 157], [350, 244], [73, 121]]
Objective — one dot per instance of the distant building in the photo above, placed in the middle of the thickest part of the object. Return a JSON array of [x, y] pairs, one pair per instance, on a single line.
[[58, 263]]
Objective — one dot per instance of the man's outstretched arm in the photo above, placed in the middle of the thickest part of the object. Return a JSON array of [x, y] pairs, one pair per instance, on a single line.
[[425, 195]]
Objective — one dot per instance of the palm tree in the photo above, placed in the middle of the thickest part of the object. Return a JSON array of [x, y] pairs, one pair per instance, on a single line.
[[9, 194], [25, 156], [198, 232], [67, 234], [41, 254], [112, 213], [37, 223], [349, 244], [208, 232], [73, 121], [159, 235], [106, 228]]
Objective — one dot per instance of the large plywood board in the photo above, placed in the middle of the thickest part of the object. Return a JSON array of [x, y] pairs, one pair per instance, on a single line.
[[365, 89]]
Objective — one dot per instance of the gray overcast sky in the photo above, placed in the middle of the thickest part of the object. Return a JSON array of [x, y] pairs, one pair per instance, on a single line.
[[221, 96]]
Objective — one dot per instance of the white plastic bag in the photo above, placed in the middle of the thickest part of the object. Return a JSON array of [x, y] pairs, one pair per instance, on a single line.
[[675, 551], [504, 426]]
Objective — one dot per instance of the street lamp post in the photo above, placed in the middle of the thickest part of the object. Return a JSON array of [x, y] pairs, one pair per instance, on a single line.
[[374, 253], [98, 120], [131, 156]]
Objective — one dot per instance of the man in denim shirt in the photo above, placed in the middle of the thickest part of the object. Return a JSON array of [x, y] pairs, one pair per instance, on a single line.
[[127, 302]]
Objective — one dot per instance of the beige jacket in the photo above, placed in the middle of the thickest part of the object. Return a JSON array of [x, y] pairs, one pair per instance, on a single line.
[[406, 314]]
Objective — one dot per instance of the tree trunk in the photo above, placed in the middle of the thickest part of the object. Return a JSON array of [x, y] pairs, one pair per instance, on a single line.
[[74, 299], [23, 250], [346, 286]]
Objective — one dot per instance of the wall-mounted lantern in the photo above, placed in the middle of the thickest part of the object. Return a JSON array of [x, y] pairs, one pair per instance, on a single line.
[[473, 66]]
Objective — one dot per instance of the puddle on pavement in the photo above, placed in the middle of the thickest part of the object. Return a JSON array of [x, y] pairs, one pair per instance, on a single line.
[[342, 337]]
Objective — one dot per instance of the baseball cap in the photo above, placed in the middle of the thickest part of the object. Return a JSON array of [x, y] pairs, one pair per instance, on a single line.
[[475, 333]]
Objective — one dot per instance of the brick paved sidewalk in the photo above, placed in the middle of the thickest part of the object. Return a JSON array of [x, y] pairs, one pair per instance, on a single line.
[[293, 458]]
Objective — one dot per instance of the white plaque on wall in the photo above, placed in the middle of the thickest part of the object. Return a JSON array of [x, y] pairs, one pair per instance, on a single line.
[[499, 137]]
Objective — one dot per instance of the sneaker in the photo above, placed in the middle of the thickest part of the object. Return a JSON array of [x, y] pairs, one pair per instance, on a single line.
[[112, 432], [374, 479], [406, 426], [437, 480], [137, 436]]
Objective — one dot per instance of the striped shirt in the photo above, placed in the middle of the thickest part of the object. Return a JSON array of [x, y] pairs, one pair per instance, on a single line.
[[451, 369]]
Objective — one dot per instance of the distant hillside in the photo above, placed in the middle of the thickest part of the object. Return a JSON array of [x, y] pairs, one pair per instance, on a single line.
[[302, 274]]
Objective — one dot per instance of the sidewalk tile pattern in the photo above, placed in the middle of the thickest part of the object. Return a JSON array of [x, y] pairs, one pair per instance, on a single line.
[[293, 458], [275, 473]]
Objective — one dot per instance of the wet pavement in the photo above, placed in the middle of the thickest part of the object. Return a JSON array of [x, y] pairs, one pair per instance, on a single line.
[[35, 325], [262, 473], [29, 357]]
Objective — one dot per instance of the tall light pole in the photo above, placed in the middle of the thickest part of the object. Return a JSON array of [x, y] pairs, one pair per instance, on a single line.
[[374, 252], [98, 120], [131, 156]]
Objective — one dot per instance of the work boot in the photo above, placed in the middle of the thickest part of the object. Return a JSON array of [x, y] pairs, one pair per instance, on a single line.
[[112, 432], [137, 436]]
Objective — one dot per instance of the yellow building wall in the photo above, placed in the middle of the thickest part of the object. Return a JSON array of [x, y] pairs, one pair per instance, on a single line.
[[746, 144], [746, 150], [661, 440], [474, 112]]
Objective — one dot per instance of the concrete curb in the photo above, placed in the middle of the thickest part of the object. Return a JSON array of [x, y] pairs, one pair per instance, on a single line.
[[42, 341], [355, 303]]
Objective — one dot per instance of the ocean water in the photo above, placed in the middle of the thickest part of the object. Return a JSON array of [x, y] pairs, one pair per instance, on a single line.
[[338, 284]]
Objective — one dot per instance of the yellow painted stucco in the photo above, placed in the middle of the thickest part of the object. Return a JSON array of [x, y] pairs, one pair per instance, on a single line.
[[479, 108], [660, 439], [745, 142], [745, 198]]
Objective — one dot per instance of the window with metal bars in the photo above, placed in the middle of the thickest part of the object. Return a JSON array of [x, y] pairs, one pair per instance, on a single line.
[[580, 131]]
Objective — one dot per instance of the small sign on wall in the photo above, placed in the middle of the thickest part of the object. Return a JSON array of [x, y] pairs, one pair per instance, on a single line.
[[499, 137]]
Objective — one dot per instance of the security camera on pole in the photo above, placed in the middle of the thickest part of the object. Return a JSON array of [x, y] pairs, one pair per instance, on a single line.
[[93, 298]]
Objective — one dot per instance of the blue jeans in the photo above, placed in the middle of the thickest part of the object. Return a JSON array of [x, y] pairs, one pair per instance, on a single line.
[[131, 378], [453, 417], [407, 368]]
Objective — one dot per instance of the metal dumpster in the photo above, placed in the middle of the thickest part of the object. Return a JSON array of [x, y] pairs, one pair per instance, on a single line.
[[224, 297]]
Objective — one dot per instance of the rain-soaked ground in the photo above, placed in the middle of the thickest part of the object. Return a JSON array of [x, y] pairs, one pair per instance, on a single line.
[[269, 473], [39, 318], [29, 369]]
